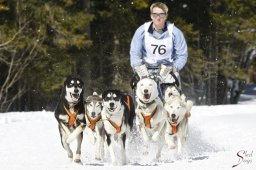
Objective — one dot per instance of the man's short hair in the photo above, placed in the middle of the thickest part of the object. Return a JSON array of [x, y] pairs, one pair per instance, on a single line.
[[159, 5]]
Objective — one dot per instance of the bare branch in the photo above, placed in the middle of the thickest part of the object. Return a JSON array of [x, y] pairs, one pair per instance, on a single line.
[[15, 35]]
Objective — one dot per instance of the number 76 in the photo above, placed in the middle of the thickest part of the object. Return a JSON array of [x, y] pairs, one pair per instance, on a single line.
[[159, 48]]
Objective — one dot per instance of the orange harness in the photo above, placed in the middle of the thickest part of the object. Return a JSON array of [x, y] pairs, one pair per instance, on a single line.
[[174, 127], [128, 103], [72, 116], [118, 128], [93, 122], [148, 118]]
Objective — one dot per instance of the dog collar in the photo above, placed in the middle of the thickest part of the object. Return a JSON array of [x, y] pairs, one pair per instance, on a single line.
[[147, 103]]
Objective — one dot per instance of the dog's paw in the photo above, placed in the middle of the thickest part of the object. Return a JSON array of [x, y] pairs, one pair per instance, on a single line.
[[114, 163], [157, 158], [155, 136], [145, 152], [78, 161], [171, 145], [124, 161], [97, 158]]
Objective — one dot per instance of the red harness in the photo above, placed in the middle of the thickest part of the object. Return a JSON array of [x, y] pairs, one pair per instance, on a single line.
[[116, 126], [93, 122], [72, 116], [175, 127], [148, 118]]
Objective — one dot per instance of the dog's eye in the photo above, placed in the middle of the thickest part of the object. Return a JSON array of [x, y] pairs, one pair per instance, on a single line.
[[79, 85], [107, 98], [70, 84], [116, 98]]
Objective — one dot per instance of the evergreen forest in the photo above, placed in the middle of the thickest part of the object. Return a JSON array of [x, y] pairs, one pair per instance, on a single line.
[[44, 41]]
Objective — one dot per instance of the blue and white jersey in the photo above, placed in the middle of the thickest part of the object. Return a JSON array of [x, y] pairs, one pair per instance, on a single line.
[[169, 48]]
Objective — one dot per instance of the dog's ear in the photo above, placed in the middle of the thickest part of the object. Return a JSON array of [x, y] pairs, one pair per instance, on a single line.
[[104, 94], [67, 79], [86, 101], [123, 99]]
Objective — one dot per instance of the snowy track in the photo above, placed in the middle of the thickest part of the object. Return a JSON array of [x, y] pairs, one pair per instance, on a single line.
[[30, 140]]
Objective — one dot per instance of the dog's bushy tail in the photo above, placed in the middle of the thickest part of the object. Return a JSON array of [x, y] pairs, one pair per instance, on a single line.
[[129, 112]]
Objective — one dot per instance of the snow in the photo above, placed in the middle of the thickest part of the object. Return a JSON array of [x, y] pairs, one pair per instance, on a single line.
[[30, 140]]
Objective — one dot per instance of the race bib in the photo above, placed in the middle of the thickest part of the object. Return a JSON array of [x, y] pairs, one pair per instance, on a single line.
[[158, 49]]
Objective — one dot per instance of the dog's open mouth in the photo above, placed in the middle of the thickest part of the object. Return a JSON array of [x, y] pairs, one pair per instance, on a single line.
[[74, 96], [174, 121], [112, 109], [147, 96]]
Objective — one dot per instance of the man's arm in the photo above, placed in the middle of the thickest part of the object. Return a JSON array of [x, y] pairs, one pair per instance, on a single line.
[[180, 51], [136, 47]]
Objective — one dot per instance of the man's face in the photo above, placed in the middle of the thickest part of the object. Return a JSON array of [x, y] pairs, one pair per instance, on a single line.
[[158, 17]]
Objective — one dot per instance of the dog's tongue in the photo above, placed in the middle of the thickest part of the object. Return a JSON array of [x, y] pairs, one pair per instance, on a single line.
[[75, 96], [111, 109], [146, 96]]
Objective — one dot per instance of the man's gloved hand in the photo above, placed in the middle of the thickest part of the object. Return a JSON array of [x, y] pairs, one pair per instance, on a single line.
[[142, 71], [165, 70]]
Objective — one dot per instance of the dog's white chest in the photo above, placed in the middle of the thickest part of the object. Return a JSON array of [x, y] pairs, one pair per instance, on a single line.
[[113, 124]]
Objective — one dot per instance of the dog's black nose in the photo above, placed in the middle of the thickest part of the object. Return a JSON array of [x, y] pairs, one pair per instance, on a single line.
[[76, 90], [93, 114], [173, 115], [145, 90], [111, 104]]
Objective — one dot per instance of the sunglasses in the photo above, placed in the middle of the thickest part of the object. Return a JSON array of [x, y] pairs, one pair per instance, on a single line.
[[161, 15]]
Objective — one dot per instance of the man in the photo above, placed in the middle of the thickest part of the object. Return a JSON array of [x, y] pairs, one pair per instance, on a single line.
[[158, 43]]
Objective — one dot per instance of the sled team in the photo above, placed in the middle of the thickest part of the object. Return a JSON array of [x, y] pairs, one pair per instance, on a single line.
[[158, 109], [110, 117]]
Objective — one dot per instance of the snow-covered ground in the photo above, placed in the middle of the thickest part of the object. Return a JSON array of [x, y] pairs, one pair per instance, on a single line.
[[220, 137]]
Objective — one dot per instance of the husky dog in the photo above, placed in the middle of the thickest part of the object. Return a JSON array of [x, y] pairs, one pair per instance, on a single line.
[[150, 117], [117, 114], [94, 127], [172, 92], [70, 115], [178, 111]]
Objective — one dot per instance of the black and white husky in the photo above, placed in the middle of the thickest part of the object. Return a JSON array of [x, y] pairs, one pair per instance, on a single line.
[[94, 128], [117, 115], [70, 115]]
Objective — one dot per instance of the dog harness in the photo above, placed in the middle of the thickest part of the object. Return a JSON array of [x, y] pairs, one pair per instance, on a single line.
[[72, 116], [93, 122], [174, 127], [128, 103], [118, 128], [148, 118]]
